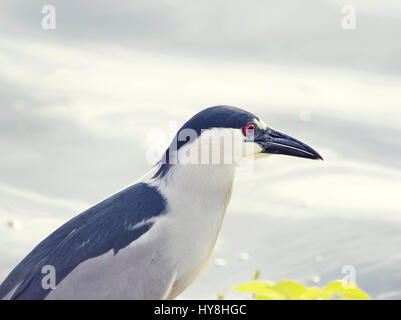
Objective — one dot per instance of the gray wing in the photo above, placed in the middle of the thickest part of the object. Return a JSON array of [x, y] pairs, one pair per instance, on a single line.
[[107, 226]]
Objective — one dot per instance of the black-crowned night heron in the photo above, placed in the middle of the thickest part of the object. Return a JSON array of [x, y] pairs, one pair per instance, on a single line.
[[151, 240]]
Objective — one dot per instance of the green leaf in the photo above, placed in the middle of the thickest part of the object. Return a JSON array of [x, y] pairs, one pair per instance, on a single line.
[[315, 294], [256, 275], [267, 290], [271, 294], [347, 290], [291, 289]]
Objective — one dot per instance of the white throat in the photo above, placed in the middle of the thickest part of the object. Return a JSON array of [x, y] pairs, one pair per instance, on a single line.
[[194, 180], [200, 179]]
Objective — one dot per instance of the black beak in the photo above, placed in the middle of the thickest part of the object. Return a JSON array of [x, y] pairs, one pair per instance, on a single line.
[[275, 142]]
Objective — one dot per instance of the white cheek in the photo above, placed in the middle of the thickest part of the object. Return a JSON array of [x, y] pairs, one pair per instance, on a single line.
[[252, 151], [250, 148], [219, 146]]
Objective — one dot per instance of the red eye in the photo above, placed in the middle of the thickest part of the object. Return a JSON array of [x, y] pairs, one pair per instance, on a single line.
[[249, 129]]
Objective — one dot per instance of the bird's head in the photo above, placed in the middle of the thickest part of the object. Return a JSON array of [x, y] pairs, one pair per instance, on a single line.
[[225, 135]]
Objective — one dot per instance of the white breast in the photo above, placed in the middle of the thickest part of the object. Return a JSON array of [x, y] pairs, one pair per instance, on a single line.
[[197, 196]]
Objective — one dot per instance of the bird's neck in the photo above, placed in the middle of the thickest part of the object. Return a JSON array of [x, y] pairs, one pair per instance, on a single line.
[[200, 177], [209, 183]]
